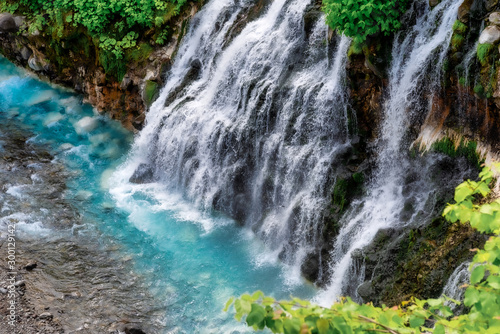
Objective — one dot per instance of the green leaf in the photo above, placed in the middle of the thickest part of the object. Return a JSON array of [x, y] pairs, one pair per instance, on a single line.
[[291, 326], [471, 296], [477, 274], [462, 192], [416, 322], [228, 303], [340, 324], [256, 316], [322, 325], [439, 329]]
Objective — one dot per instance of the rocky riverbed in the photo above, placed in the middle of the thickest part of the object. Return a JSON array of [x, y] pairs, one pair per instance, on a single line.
[[67, 281]]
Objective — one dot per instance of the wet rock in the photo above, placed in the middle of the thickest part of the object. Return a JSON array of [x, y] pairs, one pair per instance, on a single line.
[[494, 18], [310, 267], [34, 64], [434, 3], [143, 174], [20, 21], [490, 35], [26, 53], [365, 290], [239, 209], [464, 10], [195, 70], [30, 266], [7, 23]]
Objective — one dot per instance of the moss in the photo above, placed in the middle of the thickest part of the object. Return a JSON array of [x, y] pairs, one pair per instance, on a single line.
[[462, 81], [465, 149], [340, 193], [459, 27], [140, 53], [457, 42], [358, 177], [150, 92], [427, 256], [346, 189], [479, 90], [483, 52]]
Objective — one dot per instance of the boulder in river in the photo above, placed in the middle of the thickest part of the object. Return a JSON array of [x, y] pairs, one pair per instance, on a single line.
[[490, 35]]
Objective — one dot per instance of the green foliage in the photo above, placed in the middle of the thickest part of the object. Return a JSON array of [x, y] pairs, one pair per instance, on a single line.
[[140, 53], [482, 297], [355, 49], [466, 149], [117, 25], [457, 41], [483, 52], [362, 18], [112, 65], [340, 193]]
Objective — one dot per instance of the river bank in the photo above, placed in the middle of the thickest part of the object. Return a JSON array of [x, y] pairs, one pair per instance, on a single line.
[[65, 281]]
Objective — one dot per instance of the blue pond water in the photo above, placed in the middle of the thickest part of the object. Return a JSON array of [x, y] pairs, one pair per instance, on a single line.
[[190, 261]]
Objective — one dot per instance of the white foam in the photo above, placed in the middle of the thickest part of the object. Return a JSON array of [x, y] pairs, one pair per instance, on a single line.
[[86, 125], [52, 118], [17, 191]]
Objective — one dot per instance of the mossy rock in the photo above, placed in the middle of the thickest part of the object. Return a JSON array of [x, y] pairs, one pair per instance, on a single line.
[[150, 92]]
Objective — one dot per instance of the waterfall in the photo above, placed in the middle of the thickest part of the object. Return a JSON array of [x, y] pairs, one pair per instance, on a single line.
[[453, 288], [251, 123], [418, 55]]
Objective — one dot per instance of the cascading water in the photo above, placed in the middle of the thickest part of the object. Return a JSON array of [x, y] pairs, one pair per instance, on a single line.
[[418, 55], [252, 126], [454, 287]]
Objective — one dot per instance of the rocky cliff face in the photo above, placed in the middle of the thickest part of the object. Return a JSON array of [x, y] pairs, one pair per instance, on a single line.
[[73, 60]]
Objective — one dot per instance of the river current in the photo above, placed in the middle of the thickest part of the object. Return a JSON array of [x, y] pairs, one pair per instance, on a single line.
[[184, 264]]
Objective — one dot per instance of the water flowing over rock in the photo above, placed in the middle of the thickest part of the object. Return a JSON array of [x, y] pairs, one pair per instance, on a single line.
[[254, 127], [454, 288], [415, 52]]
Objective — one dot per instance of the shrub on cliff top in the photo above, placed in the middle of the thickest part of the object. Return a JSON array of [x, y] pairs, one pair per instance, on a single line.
[[361, 18]]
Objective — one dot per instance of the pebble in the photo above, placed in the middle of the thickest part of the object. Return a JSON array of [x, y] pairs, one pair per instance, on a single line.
[[45, 316]]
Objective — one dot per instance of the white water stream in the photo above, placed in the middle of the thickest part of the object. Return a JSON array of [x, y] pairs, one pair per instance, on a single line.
[[418, 56]]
